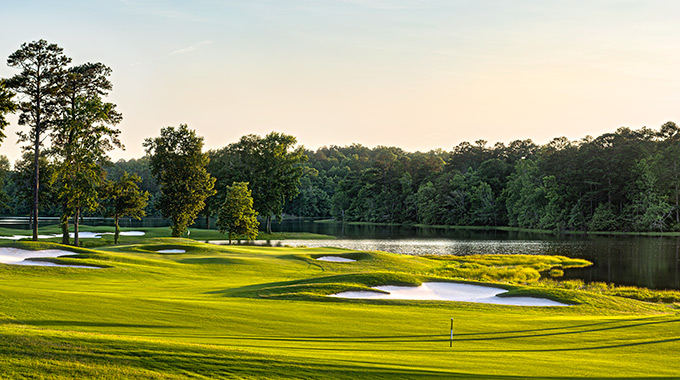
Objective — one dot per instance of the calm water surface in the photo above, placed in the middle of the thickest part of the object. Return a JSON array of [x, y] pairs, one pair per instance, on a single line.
[[652, 262]]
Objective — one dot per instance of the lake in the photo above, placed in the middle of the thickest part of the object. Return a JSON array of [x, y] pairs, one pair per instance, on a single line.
[[652, 262]]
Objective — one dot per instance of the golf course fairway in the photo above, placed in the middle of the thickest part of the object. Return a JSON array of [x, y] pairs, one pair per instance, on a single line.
[[263, 312]]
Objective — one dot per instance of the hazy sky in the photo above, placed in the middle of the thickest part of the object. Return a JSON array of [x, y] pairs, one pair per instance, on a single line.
[[418, 74]]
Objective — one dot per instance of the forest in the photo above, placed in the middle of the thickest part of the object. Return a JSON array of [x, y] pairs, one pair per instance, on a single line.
[[627, 180]]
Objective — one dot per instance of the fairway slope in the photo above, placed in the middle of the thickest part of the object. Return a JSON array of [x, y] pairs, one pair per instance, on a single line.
[[263, 312]]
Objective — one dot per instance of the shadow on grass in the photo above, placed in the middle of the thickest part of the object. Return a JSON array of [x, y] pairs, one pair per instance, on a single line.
[[212, 261], [631, 325], [443, 346], [114, 357], [377, 339], [317, 287], [552, 328], [57, 323]]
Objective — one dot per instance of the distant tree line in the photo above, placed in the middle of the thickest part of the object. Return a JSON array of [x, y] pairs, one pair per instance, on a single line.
[[627, 180]]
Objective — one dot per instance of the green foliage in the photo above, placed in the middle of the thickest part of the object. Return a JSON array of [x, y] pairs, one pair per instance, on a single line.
[[123, 198], [557, 186], [554, 213], [237, 216], [7, 105], [81, 140], [20, 190], [525, 198], [271, 165], [648, 209], [428, 207], [5, 200], [39, 84], [179, 165], [604, 218], [142, 169], [312, 201]]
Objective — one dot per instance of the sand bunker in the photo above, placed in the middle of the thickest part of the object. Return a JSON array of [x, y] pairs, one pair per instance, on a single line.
[[171, 251], [81, 235], [17, 237], [336, 259], [88, 235], [16, 256], [448, 291], [130, 233]]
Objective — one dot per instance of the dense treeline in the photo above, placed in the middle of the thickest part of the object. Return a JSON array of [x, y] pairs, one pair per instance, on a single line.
[[626, 180]]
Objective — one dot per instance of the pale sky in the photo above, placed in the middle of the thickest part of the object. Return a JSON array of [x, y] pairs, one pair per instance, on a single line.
[[418, 74]]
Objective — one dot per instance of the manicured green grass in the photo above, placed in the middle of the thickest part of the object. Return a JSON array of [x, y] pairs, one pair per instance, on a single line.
[[151, 232], [260, 312]]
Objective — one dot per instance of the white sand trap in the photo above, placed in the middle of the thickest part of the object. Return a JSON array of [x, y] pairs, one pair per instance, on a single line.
[[18, 256], [171, 251], [132, 233], [448, 291], [336, 259], [98, 235], [81, 235], [88, 235], [17, 237]]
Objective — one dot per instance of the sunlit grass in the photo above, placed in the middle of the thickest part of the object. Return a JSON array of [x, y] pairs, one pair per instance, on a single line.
[[149, 232], [261, 312]]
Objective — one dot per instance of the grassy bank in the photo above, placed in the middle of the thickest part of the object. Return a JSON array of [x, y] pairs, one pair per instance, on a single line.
[[150, 232], [260, 312]]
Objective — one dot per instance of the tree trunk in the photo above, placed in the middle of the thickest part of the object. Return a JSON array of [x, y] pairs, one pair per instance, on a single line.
[[269, 224], [63, 222], [36, 173], [76, 220], [207, 219], [677, 203], [117, 234]]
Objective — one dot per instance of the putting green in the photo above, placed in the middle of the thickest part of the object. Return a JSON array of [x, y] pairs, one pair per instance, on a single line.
[[261, 312]]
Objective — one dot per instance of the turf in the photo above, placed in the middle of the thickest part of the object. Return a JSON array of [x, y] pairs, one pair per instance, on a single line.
[[260, 312], [151, 232]]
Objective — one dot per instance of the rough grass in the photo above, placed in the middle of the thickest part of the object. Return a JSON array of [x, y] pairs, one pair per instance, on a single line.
[[503, 268], [632, 292], [260, 312]]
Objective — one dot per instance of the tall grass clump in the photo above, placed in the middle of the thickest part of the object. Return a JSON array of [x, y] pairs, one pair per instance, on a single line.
[[517, 269], [632, 292]]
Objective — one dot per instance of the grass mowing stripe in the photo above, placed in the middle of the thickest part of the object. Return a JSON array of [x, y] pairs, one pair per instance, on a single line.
[[201, 314]]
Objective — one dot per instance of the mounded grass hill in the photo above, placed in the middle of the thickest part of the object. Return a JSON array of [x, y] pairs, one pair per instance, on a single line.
[[261, 312]]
